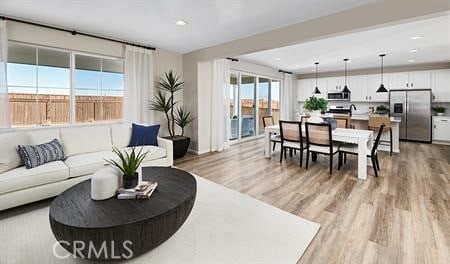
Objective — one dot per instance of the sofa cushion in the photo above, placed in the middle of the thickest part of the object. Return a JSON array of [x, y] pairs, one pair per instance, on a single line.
[[154, 152], [80, 140], [22, 178], [144, 135], [121, 135], [43, 135], [9, 155], [88, 163], [37, 155]]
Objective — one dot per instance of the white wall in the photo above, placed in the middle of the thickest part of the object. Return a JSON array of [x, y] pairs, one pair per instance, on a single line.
[[163, 60], [256, 69]]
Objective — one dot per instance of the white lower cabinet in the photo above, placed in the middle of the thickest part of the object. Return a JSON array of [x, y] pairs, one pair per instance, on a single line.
[[441, 128]]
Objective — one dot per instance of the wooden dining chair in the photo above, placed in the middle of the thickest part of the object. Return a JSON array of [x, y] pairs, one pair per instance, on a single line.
[[268, 121], [291, 138], [371, 153], [342, 121], [319, 140], [375, 123]]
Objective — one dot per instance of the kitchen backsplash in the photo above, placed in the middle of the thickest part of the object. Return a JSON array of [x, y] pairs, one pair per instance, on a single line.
[[361, 108]]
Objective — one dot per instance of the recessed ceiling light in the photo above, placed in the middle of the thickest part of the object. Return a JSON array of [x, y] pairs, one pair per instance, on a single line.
[[277, 59], [181, 23], [416, 37], [297, 65], [413, 51], [313, 70], [411, 60]]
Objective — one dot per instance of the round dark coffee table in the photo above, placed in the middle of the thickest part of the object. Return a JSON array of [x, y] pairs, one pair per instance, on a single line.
[[121, 229]]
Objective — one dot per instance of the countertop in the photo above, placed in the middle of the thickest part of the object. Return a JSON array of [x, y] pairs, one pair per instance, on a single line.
[[363, 117]]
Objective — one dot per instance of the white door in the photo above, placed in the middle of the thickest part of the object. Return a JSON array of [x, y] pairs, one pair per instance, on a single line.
[[358, 87], [420, 80], [304, 89], [441, 85], [398, 80], [373, 83]]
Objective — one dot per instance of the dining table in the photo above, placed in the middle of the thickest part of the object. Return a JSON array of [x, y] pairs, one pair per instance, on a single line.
[[362, 138]]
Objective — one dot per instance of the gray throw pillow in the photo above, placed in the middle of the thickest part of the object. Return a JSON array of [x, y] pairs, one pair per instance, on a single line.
[[36, 155]]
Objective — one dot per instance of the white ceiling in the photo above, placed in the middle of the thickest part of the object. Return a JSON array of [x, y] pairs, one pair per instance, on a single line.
[[363, 48], [153, 22]]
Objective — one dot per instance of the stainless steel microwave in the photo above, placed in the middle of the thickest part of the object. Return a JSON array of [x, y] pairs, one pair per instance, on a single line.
[[338, 96]]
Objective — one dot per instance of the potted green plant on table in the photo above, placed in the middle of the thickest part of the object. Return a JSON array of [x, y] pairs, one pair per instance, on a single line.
[[128, 165], [164, 102], [440, 110], [315, 105]]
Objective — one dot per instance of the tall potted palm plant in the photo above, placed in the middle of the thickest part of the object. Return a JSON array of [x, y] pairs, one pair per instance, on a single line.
[[164, 102]]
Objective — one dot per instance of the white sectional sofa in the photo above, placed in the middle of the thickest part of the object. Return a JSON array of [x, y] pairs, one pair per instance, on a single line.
[[85, 148]]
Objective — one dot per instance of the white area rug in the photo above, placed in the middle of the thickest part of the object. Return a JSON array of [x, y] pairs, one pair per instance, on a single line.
[[224, 227]]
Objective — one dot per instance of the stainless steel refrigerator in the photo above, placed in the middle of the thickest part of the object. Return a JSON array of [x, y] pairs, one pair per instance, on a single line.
[[414, 109]]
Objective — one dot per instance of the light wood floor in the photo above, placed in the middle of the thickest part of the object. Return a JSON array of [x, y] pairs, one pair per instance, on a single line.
[[400, 217]]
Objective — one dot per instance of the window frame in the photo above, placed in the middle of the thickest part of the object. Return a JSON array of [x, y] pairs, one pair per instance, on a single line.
[[238, 74], [72, 104]]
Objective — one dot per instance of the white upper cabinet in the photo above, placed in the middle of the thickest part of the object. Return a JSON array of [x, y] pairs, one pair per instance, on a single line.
[[420, 80], [304, 89], [335, 83], [373, 83], [441, 85], [358, 87], [398, 80], [363, 87], [322, 84], [410, 80]]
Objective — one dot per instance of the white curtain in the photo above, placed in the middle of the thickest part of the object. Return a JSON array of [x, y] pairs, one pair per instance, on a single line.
[[139, 85], [5, 120], [286, 97], [220, 109]]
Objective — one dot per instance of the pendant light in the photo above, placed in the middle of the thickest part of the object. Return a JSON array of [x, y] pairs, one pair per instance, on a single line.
[[316, 90], [346, 90], [382, 89]]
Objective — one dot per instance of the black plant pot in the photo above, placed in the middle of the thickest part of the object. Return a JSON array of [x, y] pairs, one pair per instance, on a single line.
[[180, 146], [129, 182]]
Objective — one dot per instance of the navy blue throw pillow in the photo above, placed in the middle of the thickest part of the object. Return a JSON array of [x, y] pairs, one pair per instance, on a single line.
[[37, 155], [144, 135]]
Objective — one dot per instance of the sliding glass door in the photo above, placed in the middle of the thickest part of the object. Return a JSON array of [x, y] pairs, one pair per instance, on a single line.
[[251, 98], [247, 100], [234, 106]]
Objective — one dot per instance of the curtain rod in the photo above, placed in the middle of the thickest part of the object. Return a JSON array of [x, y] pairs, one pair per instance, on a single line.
[[231, 59], [285, 71], [73, 32]]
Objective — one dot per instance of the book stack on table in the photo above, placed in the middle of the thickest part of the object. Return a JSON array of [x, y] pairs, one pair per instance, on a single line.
[[143, 191]]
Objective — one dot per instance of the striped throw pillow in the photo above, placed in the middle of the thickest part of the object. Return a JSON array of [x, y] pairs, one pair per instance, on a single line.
[[37, 155]]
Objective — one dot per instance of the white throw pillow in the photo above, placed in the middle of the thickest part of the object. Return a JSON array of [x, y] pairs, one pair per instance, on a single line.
[[42, 136], [9, 156], [121, 135], [85, 139]]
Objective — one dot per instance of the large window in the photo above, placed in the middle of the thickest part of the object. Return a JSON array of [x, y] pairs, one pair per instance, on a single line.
[[98, 88], [45, 88]]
